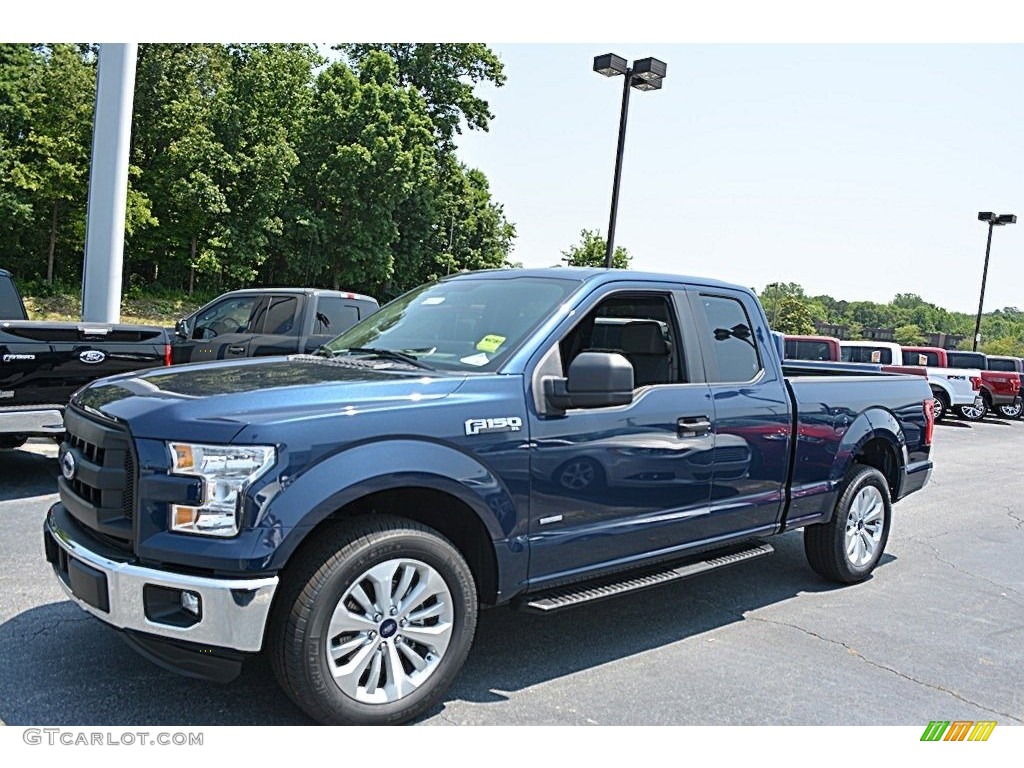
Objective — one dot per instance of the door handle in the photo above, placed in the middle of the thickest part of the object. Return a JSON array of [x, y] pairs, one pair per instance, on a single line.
[[693, 426], [236, 350]]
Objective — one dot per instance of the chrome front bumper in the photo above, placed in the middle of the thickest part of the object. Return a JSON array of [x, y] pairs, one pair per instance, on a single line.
[[233, 611]]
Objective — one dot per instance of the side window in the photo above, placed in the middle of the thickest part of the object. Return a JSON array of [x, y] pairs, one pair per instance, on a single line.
[[867, 355], [334, 315], [280, 319], [640, 327], [732, 339], [229, 316], [10, 303]]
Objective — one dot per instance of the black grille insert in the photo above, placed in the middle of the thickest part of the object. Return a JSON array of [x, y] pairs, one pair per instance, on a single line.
[[100, 494]]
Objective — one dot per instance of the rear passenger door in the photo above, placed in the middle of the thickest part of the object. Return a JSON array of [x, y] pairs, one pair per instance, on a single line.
[[751, 409], [278, 327], [334, 315]]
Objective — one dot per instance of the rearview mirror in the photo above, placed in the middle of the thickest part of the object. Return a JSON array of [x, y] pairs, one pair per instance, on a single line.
[[596, 380]]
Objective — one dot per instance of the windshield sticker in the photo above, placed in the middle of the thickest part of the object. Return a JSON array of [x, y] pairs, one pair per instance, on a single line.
[[490, 343], [922, 359], [480, 359], [433, 300], [876, 356]]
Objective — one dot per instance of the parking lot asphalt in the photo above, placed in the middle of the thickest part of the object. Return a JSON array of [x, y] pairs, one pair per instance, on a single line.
[[936, 634]]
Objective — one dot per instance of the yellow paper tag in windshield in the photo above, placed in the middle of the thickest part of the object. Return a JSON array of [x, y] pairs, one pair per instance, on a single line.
[[490, 343]]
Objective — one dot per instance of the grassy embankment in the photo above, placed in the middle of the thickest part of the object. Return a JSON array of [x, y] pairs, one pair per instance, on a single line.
[[144, 310]]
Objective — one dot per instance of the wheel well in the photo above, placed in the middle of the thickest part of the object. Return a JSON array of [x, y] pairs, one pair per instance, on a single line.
[[880, 454], [447, 515], [940, 392]]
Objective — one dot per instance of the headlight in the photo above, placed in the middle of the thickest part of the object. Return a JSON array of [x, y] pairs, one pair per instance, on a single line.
[[225, 471]]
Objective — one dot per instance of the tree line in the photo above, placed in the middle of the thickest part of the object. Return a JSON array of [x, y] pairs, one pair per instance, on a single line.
[[257, 164], [791, 310]]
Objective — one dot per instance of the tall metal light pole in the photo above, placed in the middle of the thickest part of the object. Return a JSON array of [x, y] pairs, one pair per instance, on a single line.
[[993, 221], [108, 183], [645, 75]]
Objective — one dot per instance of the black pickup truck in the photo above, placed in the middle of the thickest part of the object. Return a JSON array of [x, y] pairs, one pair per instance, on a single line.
[[544, 438], [267, 321], [42, 363]]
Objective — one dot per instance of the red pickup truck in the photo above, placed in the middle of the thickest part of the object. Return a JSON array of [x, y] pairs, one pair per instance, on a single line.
[[1009, 365], [998, 388]]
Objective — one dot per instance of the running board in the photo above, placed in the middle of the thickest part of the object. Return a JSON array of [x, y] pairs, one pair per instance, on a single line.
[[580, 594]]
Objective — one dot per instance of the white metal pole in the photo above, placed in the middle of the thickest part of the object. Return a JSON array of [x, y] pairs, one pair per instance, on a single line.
[[108, 183]]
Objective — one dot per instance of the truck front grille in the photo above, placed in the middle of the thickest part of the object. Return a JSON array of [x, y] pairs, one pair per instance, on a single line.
[[100, 493]]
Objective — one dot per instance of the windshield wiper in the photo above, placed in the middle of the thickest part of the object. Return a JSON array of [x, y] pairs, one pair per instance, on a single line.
[[388, 354]]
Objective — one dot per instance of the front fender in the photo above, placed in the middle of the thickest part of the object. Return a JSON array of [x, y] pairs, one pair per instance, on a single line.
[[366, 468]]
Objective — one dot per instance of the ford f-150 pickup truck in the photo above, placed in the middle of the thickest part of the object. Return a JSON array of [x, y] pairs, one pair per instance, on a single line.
[[544, 437], [262, 322], [1015, 365], [42, 363], [998, 388]]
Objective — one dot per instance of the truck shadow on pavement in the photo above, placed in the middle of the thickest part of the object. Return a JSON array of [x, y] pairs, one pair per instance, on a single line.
[[59, 666], [27, 473]]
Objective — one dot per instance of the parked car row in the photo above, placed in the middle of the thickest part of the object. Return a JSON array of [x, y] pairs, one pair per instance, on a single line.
[[969, 384]]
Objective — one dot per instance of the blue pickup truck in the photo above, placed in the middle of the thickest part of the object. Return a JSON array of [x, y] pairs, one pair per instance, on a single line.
[[545, 438]]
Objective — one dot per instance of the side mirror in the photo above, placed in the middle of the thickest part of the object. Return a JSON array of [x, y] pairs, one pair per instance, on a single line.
[[596, 380], [181, 328]]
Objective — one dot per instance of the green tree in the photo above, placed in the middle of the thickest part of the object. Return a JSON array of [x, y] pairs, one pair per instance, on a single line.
[[591, 251], [909, 335], [179, 92], [259, 127], [368, 146], [793, 317], [445, 74], [19, 65]]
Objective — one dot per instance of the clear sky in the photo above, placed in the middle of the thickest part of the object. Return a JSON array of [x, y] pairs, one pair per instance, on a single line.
[[854, 170], [783, 147]]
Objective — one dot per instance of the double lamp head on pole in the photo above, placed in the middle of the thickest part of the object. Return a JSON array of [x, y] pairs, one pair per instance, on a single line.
[[993, 220], [644, 75]]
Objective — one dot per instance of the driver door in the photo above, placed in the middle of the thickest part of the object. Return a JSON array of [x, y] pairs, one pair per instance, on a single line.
[[225, 330]]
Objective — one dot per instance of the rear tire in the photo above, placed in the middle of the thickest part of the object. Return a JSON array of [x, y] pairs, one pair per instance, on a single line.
[[941, 403], [1010, 411], [848, 547], [372, 622]]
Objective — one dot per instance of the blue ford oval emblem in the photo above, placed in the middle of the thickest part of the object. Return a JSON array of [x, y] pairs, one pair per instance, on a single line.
[[68, 466], [388, 628], [92, 356]]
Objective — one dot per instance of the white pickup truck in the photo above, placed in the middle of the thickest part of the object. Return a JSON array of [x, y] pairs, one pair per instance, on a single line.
[[952, 387]]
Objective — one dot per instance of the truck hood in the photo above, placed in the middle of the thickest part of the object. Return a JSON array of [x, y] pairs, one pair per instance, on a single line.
[[220, 399]]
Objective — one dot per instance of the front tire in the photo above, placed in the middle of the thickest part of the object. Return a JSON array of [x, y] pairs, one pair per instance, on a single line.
[[848, 547], [972, 412], [373, 622]]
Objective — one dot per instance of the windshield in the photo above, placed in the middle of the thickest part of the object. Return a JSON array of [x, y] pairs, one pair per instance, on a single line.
[[464, 324]]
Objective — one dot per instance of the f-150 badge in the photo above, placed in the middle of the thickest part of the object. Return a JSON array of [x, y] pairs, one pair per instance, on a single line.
[[497, 424]]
